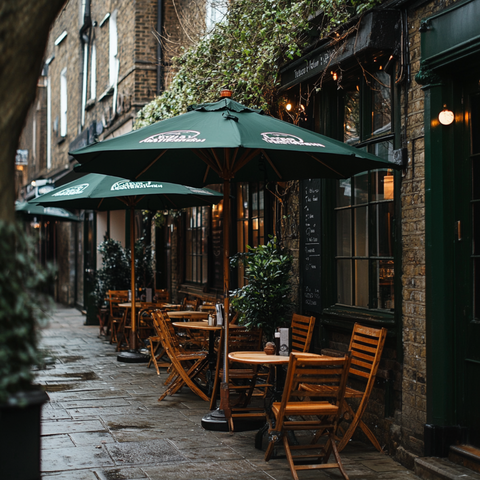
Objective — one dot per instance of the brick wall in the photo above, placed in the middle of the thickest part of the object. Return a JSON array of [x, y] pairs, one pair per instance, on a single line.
[[412, 416], [290, 234]]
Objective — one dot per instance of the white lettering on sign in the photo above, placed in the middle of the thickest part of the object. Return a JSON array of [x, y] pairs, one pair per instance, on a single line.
[[176, 136], [287, 139]]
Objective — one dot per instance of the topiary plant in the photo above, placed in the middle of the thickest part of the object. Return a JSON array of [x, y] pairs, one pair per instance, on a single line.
[[265, 301], [24, 305], [115, 271]]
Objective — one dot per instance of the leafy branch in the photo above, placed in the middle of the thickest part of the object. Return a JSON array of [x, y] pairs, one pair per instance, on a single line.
[[245, 51]]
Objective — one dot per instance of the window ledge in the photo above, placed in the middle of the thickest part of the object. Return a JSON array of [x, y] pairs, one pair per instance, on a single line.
[[343, 316], [61, 140], [106, 93], [90, 104]]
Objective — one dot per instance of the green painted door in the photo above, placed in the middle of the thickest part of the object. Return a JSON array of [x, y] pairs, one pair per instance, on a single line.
[[467, 261]]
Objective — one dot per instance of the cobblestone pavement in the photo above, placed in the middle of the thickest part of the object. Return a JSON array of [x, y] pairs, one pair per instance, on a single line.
[[103, 422]]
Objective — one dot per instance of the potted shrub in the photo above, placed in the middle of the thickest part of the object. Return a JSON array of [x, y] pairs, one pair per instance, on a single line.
[[114, 274], [264, 302], [23, 306], [115, 271]]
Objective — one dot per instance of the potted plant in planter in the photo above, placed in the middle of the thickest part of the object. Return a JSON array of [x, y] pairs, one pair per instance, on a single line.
[[23, 305], [115, 271], [264, 302]]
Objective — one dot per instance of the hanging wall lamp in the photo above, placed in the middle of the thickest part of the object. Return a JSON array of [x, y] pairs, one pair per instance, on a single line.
[[446, 116]]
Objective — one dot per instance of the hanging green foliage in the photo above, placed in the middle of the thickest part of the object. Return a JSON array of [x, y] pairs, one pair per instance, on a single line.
[[244, 53]]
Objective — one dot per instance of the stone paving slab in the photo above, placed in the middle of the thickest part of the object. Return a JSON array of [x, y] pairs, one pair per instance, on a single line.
[[104, 422]]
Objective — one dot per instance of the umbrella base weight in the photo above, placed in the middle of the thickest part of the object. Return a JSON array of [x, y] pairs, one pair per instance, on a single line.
[[132, 357], [217, 421]]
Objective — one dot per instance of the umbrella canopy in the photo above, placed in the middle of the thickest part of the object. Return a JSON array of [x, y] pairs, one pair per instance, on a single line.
[[223, 141], [59, 214], [104, 192], [233, 141]]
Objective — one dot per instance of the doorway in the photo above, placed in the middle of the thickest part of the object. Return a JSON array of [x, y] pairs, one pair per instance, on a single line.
[[467, 262]]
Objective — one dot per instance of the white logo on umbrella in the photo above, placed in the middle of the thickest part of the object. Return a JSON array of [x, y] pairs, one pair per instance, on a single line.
[[56, 211], [77, 190], [176, 136], [278, 138], [127, 185], [199, 190]]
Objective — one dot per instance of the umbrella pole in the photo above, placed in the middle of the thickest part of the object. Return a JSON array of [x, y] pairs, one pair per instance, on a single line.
[[133, 331], [133, 356], [224, 389]]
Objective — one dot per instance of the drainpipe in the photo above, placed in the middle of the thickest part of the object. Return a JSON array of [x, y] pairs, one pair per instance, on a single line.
[[159, 47], [85, 39]]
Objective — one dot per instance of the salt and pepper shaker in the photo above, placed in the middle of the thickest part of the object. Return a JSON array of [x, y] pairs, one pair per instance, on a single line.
[[211, 321], [277, 342]]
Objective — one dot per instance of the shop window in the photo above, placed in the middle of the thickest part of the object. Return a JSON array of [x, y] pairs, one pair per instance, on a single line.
[[364, 215], [364, 204], [196, 259], [250, 219]]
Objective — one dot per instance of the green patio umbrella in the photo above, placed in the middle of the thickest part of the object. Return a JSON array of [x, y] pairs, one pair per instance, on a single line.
[[104, 192], [58, 214], [219, 142]]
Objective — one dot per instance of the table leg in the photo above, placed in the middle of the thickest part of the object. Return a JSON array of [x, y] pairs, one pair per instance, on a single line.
[[274, 395], [212, 361]]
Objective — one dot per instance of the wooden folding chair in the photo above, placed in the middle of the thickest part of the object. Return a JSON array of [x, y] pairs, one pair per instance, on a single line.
[[163, 295], [302, 332], [155, 344], [299, 411], [186, 367], [116, 313], [366, 346], [243, 380], [190, 304]]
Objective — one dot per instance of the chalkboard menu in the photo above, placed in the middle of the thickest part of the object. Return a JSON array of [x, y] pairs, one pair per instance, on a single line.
[[310, 245]]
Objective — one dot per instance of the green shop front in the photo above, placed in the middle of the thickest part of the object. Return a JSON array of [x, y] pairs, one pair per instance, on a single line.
[[450, 76], [350, 253]]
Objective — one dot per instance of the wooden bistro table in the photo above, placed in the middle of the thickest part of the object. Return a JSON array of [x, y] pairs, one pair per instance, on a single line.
[[261, 358], [127, 306], [189, 314]]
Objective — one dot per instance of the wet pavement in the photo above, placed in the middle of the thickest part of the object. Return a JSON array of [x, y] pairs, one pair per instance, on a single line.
[[103, 422]]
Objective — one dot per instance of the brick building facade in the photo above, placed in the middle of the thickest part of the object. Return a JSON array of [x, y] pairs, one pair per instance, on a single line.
[[103, 62]]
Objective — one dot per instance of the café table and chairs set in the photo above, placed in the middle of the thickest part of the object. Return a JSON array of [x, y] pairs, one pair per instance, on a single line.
[[313, 396]]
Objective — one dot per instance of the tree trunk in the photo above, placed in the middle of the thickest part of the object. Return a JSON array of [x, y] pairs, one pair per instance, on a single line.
[[24, 29]]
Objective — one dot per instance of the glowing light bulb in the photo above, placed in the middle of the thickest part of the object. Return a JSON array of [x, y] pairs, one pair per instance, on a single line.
[[446, 116]]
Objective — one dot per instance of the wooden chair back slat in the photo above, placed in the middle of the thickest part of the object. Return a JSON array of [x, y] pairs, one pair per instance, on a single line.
[[163, 295], [302, 332], [190, 304]]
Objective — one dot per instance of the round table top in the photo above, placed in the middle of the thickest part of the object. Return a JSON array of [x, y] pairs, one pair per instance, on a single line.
[[129, 304], [140, 304], [196, 325], [262, 358], [187, 314]]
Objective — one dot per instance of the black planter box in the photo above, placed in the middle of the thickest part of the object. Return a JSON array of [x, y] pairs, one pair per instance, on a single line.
[[20, 437]]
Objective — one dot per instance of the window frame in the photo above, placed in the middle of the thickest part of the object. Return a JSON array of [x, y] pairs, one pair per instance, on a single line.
[[340, 314], [63, 102], [197, 273]]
